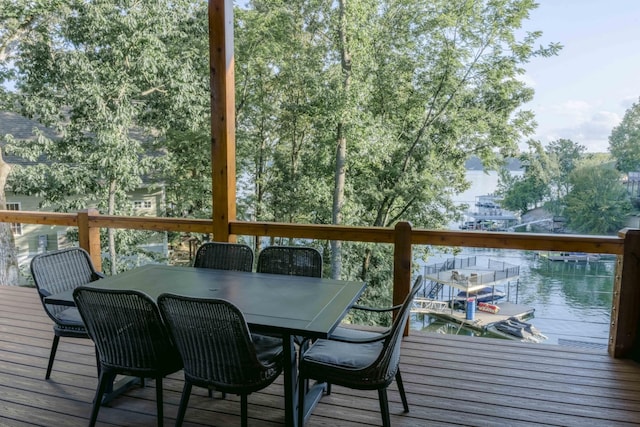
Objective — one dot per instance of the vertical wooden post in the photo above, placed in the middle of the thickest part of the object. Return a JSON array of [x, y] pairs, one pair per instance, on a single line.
[[223, 144], [89, 237], [402, 258], [625, 314]]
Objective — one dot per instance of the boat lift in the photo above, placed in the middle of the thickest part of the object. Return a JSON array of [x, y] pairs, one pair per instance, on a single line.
[[463, 274]]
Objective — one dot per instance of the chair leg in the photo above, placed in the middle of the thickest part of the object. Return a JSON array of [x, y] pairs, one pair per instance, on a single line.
[[52, 355], [106, 378], [384, 407], [403, 396], [184, 401], [159, 402], [243, 410], [301, 393], [98, 366]]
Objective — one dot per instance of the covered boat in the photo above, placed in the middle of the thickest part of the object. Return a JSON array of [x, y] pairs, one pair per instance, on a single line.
[[517, 329], [485, 294]]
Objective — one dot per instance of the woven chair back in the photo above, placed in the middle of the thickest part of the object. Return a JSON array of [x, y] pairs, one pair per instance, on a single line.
[[224, 256], [214, 341], [127, 329], [59, 271], [290, 260]]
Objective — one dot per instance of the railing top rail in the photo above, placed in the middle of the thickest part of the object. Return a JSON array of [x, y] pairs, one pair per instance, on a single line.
[[500, 240]]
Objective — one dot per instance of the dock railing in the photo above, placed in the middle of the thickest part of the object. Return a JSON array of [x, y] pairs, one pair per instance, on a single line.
[[624, 339]]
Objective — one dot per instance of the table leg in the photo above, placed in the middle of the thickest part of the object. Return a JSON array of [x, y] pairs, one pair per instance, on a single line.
[[290, 382], [291, 402], [119, 387], [116, 388]]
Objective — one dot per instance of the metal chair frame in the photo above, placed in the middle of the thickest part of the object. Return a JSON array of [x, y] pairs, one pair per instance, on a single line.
[[218, 350], [131, 338], [375, 371], [58, 271]]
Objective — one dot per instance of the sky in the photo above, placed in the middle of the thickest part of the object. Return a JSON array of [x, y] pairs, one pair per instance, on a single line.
[[584, 91]]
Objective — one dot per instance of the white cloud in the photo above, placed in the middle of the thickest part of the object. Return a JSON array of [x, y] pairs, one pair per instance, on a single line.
[[573, 109], [585, 127]]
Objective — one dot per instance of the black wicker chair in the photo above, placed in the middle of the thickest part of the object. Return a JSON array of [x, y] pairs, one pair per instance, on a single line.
[[224, 256], [217, 349], [291, 260], [131, 339], [360, 360], [59, 271]]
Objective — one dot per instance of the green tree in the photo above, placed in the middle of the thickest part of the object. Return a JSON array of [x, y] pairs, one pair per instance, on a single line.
[[624, 141], [598, 203], [100, 74], [20, 20], [522, 193], [566, 154], [390, 97]]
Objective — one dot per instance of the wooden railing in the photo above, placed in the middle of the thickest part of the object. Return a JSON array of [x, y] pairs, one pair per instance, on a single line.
[[624, 340]]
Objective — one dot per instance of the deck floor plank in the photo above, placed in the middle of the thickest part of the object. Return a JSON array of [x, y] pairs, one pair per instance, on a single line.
[[450, 381]]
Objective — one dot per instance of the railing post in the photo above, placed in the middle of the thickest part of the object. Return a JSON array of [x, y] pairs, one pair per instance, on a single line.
[[402, 265], [624, 336], [89, 237], [223, 143]]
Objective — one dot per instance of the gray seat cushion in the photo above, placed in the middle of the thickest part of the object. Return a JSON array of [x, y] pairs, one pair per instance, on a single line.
[[70, 317], [341, 354]]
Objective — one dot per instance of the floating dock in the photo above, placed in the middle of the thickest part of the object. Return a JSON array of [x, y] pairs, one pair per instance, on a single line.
[[481, 320]]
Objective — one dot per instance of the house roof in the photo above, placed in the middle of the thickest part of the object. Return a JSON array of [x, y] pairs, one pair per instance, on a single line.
[[21, 128]]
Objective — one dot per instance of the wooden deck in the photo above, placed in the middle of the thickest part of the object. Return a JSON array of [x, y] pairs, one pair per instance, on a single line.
[[450, 381]]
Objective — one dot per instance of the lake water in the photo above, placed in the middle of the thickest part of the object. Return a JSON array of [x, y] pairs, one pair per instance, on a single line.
[[572, 301]]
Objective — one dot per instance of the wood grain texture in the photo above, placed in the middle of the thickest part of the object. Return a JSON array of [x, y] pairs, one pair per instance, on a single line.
[[450, 381]]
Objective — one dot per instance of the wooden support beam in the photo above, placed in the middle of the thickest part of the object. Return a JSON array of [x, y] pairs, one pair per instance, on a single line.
[[624, 337], [223, 143]]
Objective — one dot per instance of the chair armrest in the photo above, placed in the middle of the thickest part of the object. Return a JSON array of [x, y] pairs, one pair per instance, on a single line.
[[366, 340], [377, 310]]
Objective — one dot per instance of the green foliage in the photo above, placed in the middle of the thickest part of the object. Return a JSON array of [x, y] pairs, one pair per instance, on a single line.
[[598, 203], [415, 88], [624, 141], [521, 193], [565, 154], [582, 187], [109, 77], [186, 172]]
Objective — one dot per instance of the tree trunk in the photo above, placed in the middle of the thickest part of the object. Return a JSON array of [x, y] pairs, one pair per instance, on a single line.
[[9, 270], [341, 148]]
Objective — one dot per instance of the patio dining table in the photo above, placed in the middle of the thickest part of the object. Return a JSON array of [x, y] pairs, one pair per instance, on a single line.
[[271, 303]]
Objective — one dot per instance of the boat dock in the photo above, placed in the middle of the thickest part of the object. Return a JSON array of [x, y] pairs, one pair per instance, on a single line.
[[464, 277], [481, 320]]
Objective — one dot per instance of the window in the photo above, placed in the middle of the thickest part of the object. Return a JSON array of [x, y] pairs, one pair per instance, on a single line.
[[15, 227], [140, 204]]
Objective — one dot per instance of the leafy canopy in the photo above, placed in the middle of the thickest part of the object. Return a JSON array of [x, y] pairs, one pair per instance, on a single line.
[[624, 141]]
